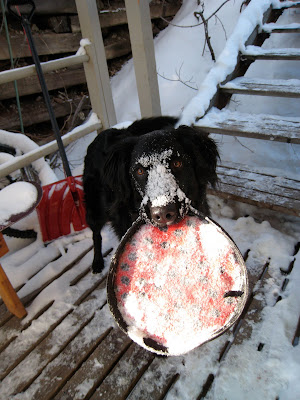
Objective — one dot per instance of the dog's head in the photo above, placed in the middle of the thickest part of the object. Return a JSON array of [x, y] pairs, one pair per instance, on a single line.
[[164, 172], [170, 170]]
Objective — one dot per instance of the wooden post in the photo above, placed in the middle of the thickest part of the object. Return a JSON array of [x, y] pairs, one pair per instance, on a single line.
[[7, 292], [141, 37], [96, 68]]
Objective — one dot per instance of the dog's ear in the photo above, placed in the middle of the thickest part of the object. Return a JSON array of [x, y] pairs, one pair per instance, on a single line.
[[204, 151], [116, 167]]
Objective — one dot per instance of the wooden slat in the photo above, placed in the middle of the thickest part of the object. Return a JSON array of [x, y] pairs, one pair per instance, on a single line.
[[35, 113], [57, 372], [274, 28], [257, 53], [118, 384], [53, 43], [156, 381], [47, 43], [97, 366], [258, 126], [110, 17], [14, 353], [54, 80], [259, 189], [63, 334], [274, 87]]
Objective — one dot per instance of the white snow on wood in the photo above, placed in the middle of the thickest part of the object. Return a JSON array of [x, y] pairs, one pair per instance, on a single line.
[[258, 51], [15, 199]]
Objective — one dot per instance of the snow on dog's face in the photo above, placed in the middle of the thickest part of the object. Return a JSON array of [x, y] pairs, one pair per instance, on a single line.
[[159, 167]]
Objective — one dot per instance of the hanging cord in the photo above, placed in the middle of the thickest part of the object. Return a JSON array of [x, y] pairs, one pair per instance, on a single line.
[[12, 65]]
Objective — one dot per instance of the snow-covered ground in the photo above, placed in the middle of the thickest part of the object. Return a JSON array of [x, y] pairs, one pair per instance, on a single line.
[[245, 373]]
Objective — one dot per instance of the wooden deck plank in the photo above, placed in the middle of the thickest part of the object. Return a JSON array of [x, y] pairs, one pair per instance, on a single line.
[[256, 126], [156, 381], [58, 370], [118, 384], [39, 349], [41, 259], [96, 367], [259, 87], [252, 318], [36, 284]]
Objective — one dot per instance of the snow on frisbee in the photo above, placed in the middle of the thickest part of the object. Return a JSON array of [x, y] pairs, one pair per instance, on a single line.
[[17, 200], [174, 290]]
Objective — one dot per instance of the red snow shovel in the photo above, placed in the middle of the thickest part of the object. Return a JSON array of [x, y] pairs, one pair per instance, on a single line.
[[61, 209]]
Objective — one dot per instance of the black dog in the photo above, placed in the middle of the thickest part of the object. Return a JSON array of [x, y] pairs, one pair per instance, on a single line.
[[149, 168]]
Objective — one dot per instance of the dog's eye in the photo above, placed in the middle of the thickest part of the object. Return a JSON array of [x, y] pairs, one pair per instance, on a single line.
[[140, 171], [177, 164]]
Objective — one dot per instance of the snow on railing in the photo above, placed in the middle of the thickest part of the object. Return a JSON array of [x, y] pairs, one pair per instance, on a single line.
[[250, 18], [34, 154]]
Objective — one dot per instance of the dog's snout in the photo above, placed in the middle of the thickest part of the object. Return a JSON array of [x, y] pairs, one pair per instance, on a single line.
[[165, 215]]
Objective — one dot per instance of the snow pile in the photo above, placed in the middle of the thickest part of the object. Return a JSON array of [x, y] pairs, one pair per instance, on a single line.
[[24, 196]]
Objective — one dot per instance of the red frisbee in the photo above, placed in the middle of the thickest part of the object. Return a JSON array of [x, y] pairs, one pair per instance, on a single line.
[[174, 290]]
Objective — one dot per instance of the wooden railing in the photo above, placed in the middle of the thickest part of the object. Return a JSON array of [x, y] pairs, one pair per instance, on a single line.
[[92, 56]]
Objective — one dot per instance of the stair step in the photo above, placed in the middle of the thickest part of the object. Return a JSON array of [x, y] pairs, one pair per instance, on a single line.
[[263, 87], [258, 126], [288, 5], [257, 53], [275, 28], [256, 186]]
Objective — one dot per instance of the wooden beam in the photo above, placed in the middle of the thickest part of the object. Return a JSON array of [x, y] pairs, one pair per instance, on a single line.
[[96, 69], [66, 43], [54, 80], [35, 113], [109, 17], [46, 43], [61, 77], [139, 23]]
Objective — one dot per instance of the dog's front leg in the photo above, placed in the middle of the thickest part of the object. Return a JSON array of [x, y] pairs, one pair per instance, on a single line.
[[98, 262]]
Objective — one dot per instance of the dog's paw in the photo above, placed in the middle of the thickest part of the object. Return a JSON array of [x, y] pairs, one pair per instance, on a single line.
[[97, 266]]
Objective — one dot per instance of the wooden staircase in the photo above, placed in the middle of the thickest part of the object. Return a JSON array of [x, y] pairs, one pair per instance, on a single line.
[[240, 182]]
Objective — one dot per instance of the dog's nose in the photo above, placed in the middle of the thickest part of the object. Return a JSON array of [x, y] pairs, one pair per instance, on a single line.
[[165, 215]]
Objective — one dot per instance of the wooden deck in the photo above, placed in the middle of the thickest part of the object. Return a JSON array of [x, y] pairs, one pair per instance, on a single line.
[[69, 347]]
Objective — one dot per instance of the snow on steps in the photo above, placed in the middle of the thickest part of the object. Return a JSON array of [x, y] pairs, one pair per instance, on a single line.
[[263, 87], [257, 126], [257, 53], [274, 28]]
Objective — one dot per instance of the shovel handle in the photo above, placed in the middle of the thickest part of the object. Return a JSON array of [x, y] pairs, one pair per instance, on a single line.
[[28, 15], [25, 20]]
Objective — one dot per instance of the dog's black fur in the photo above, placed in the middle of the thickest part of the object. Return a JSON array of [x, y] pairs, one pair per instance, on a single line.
[[115, 182]]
